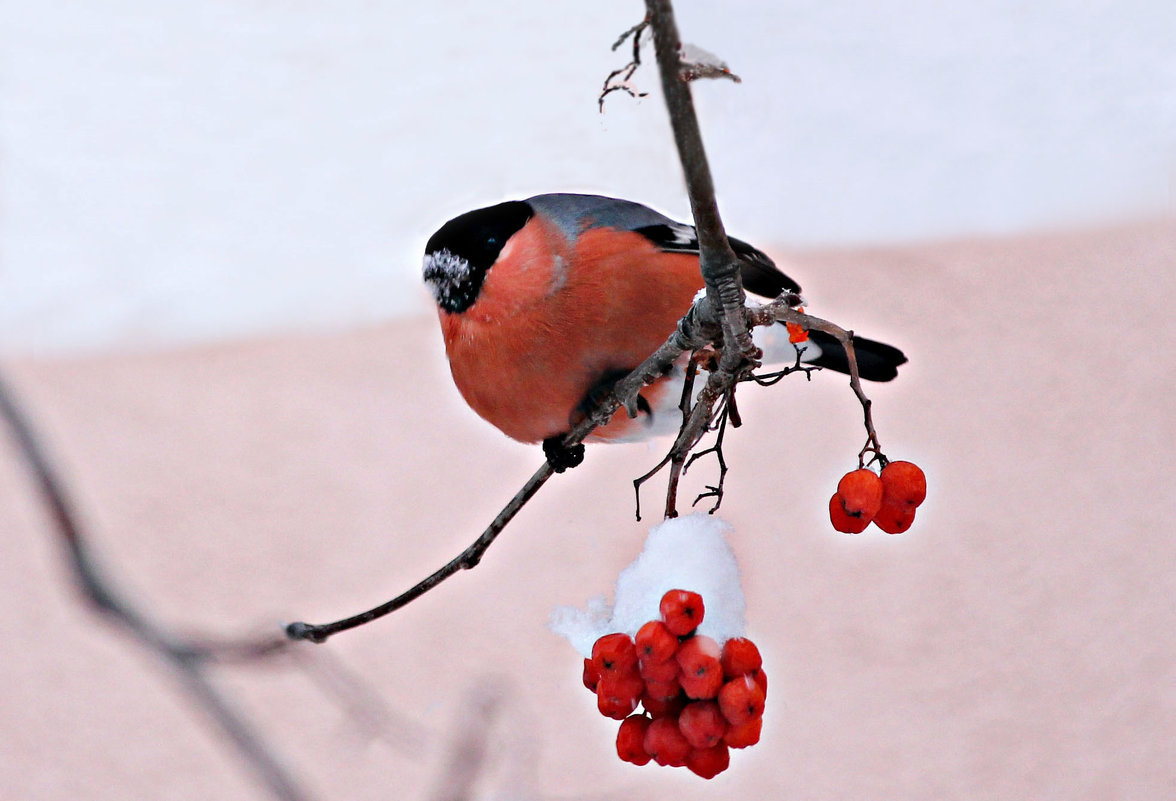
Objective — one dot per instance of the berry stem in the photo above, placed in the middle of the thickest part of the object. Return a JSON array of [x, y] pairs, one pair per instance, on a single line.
[[781, 310]]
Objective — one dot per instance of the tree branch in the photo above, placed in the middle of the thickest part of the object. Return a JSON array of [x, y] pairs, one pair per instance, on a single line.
[[686, 337], [719, 264], [188, 658]]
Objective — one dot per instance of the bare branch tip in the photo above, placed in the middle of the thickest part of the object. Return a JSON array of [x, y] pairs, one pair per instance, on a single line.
[[697, 63], [623, 84], [307, 632]]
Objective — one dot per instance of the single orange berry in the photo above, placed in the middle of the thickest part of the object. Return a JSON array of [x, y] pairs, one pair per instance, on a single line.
[[702, 672], [614, 653], [741, 700], [698, 654], [904, 483], [663, 689], [660, 671], [746, 735], [655, 642], [703, 685], [617, 707], [682, 611], [623, 685], [591, 675], [709, 762], [796, 334], [702, 724], [895, 518], [861, 493], [842, 521], [740, 656], [663, 707], [665, 743], [631, 740], [761, 680]]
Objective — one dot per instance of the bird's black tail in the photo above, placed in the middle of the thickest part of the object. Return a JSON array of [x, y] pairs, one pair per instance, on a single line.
[[876, 361]]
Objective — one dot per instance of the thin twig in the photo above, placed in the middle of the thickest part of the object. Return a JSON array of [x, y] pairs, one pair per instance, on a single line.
[[611, 84], [781, 311], [686, 337], [463, 561], [187, 658], [728, 412]]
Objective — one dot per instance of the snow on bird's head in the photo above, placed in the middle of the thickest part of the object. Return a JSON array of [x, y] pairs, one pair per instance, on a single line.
[[684, 553]]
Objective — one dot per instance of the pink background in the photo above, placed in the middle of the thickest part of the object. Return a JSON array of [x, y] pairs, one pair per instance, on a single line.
[[1018, 642]]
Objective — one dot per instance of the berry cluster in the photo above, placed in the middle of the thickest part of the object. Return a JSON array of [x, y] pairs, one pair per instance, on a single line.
[[887, 500], [698, 699]]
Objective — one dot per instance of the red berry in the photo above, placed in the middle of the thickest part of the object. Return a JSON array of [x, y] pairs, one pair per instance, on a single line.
[[703, 686], [761, 679], [740, 656], [617, 707], [746, 735], [696, 651], [591, 675], [895, 518], [702, 724], [623, 685], [842, 521], [741, 700], [655, 642], [631, 740], [614, 652], [903, 483], [709, 762], [660, 671], [796, 333], [682, 611], [663, 689], [861, 493], [665, 743], [663, 707], [702, 672]]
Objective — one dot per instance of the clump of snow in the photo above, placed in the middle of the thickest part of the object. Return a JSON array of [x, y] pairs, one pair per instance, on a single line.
[[685, 553]]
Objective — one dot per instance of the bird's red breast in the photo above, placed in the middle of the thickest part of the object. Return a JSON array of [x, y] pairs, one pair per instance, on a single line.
[[553, 317]]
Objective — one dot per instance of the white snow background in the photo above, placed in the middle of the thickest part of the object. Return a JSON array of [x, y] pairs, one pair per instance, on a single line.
[[683, 553], [179, 172]]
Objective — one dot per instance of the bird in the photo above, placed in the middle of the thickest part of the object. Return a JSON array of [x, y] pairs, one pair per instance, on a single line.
[[545, 303]]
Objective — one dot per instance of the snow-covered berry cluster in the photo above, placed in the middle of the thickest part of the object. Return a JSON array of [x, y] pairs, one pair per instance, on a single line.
[[698, 699]]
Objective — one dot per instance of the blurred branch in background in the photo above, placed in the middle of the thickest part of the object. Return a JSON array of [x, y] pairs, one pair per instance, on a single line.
[[190, 659]]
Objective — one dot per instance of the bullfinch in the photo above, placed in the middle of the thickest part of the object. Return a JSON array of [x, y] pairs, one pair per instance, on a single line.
[[546, 302]]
